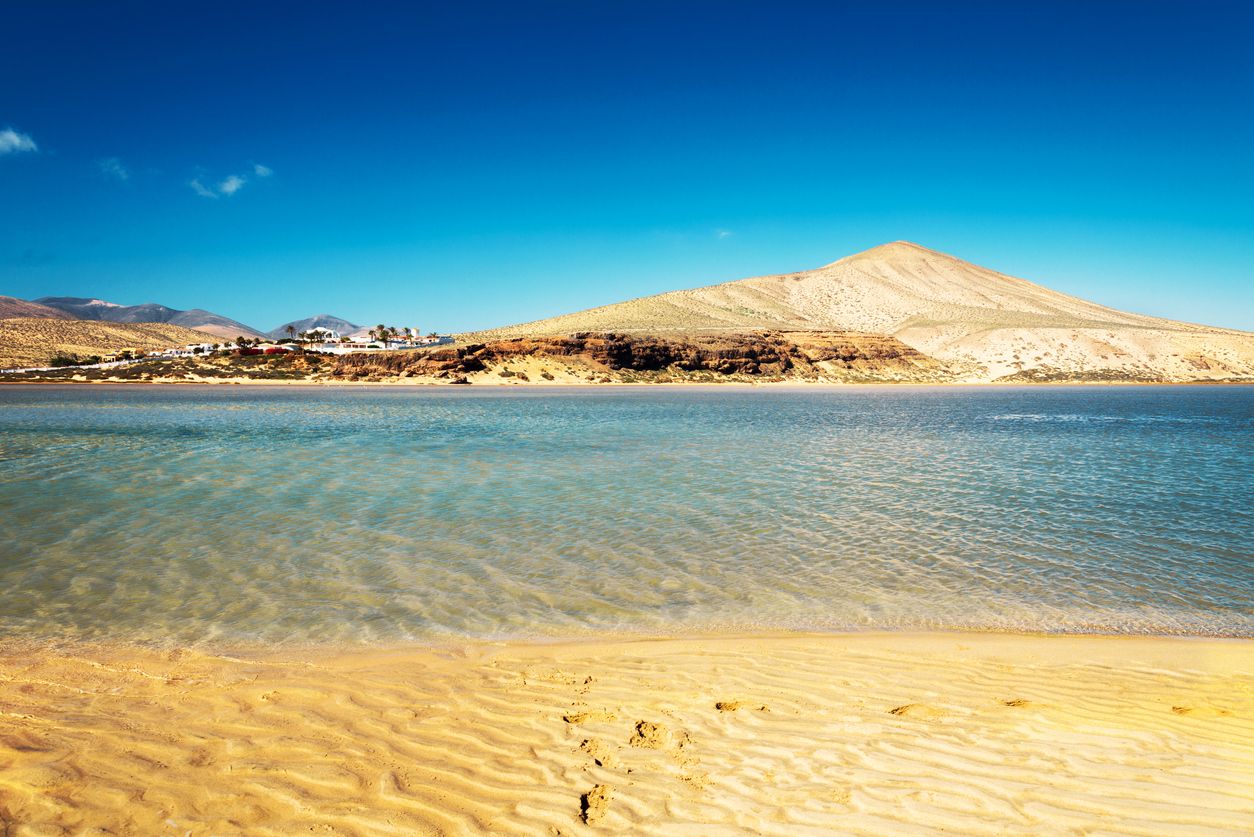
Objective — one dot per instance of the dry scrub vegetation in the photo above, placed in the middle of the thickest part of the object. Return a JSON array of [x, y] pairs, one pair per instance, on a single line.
[[33, 342]]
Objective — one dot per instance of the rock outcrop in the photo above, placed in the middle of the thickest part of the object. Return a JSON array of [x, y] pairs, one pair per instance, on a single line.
[[848, 356]]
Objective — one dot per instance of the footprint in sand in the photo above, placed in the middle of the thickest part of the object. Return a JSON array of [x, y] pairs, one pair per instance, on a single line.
[[733, 705], [917, 710], [594, 804], [1020, 703], [600, 753], [200, 757], [1200, 711], [591, 715], [649, 735]]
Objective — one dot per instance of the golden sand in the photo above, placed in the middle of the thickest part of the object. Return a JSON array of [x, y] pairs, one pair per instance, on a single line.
[[798, 734]]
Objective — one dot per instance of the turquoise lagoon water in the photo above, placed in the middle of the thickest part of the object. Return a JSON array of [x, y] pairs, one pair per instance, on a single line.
[[235, 515]]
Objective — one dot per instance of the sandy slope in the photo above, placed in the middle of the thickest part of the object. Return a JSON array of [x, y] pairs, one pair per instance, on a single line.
[[222, 332], [986, 323], [31, 342], [788, 735]]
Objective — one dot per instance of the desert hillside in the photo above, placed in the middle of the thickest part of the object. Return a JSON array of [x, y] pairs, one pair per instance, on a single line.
[[981, 323], [32, 342], [224, 332], [12, 307]]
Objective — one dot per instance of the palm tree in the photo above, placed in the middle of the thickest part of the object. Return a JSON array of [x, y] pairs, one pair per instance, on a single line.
[[291, 331]]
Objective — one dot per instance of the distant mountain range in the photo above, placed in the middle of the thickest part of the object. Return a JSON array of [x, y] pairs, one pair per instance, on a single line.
[[81, 308], [344, 327], [99, 310], [11, 308]]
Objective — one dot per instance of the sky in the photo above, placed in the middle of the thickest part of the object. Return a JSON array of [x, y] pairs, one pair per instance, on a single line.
[[464, 165]]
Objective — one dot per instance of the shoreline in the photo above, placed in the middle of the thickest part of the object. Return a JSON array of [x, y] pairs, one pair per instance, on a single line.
[[445, 644], [547, 385], [776, 733]]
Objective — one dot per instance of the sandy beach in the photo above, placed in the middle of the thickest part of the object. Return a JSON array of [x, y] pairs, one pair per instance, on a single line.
[[568, 385], [577, 419], [780, 734]]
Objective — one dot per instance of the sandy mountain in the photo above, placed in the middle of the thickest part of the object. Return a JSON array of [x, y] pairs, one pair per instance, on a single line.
[[33, 342], [213, 324], [983, 324], [81, 308], [344, 327], [11, 307]]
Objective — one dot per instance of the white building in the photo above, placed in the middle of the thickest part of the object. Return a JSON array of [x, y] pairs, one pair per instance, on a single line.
[[323, 335]]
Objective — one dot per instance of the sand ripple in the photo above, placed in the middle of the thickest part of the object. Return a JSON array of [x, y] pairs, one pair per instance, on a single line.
[[873, 734]]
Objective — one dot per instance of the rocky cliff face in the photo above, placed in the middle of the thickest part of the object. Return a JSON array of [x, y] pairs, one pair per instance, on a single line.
[[609, 356]]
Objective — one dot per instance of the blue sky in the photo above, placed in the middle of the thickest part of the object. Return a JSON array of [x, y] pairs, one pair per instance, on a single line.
[[475, 164]]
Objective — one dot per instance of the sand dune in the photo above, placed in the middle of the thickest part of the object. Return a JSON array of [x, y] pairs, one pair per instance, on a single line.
[[985, 324], [32, 342], [788, 735]]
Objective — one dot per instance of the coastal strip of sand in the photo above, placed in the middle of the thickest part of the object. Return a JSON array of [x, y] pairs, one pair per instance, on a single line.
[[780, 734]]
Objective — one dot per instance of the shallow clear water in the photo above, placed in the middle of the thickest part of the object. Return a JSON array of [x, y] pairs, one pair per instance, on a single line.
[[238, 514]]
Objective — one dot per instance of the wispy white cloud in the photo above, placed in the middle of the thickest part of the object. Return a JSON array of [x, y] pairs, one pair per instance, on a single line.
[[14, 142], [201, 189], [231, 185], [112, 168], [725, 234]]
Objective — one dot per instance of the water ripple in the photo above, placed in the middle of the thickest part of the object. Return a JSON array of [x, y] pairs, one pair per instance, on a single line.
[[238, 515]]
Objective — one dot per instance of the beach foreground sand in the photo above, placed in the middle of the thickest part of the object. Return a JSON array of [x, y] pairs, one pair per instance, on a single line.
[[783, 734]]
